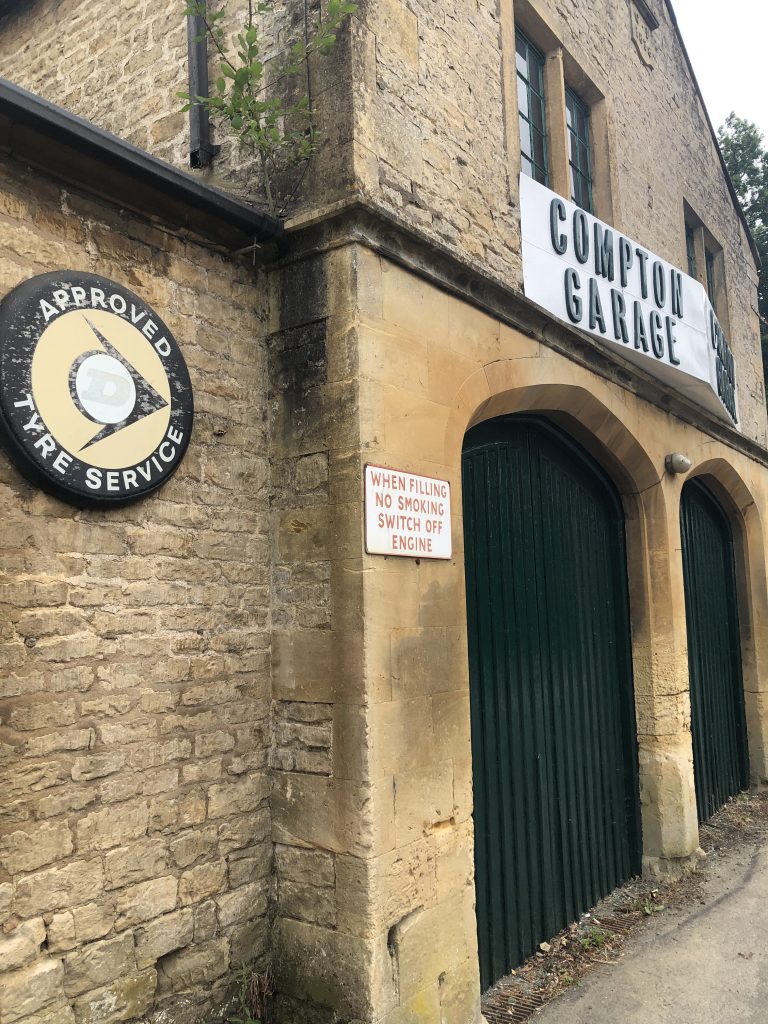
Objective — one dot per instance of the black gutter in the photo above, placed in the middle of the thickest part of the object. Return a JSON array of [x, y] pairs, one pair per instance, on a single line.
[[72, 149], [201, 149]]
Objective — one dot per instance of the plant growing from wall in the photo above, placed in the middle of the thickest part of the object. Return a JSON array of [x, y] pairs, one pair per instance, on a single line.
[[266, 102], [253, 991]]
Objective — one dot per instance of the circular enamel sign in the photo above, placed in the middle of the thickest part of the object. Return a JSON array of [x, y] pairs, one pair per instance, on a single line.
[[95, 397]]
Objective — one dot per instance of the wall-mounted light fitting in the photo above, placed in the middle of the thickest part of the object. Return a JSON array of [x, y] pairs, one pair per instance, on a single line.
[[677, 463]]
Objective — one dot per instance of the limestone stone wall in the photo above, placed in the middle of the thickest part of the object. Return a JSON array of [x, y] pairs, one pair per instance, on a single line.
[[122, 67], [437, 141], [418, 115], [135, 835], [431, 366], [118, 65]]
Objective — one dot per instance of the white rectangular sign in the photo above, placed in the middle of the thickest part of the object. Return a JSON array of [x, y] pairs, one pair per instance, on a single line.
[[406, 514], [593, 278]]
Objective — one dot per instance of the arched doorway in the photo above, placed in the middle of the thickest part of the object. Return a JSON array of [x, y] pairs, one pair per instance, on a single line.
[[552, 709], [720, 759]]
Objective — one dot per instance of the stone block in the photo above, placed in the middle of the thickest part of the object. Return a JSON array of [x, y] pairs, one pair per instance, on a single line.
[[61, 932], [451, 726], [6, 900], [22, 945], [206, 921], [194, 967], [424, 1006], [142, 902], [202, 881], [250, 867], [249, 901], [402, 735], [432, 942], [93, 920], [399, 142], [249, 940], [244, 830], [171, 813], [305, 902], [297, 864], [124, 999], [188, 847], [332, 969], [28, 850], [428, 660], [26, 991], [162, 936], [134, 863], [113, 826], [97, 964], [237, 797], [320, 665], [460, 993], [423, 800], [58, 887], [454, 860], [59, 1013], [332, 814]]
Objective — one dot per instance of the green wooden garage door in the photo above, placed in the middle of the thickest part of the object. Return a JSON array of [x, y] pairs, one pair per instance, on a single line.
[[553, 727], [720, 761]]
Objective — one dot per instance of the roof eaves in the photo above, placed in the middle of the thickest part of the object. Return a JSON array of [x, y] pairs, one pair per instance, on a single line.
[[72, 149]]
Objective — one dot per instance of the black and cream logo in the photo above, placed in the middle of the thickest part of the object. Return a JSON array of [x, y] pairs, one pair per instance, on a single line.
[[95, 397]]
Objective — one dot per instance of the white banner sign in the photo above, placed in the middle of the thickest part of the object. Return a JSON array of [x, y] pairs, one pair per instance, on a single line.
[[406, 514], [590, 276]]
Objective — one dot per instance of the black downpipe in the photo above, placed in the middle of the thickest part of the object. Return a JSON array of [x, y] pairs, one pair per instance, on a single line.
[[201, 151]]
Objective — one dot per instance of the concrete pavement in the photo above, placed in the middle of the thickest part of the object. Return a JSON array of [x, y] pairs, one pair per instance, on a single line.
[[696, 965]]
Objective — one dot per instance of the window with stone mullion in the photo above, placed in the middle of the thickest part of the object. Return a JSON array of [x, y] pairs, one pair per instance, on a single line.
[[577, 119], [530, 100]]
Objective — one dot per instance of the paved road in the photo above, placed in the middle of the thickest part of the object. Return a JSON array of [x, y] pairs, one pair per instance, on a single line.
[[704, 964]]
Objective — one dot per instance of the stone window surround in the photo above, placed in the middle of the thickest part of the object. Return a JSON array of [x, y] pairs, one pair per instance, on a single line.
[[706, 245], [562, 69]]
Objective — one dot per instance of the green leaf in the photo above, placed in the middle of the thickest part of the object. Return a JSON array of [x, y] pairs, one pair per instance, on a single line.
[[251, 35], [227, 70], [221, 84]]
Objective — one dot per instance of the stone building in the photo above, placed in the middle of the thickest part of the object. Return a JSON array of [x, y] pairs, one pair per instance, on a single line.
[[230, 733]]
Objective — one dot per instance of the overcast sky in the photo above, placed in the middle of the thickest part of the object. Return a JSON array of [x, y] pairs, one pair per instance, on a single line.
[[728, 47]]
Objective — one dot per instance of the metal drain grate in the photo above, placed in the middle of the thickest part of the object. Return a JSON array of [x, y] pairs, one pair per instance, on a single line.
[[619, 925], [511, 1006]]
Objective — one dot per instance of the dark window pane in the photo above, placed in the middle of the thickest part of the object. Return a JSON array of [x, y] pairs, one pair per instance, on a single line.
[[522, 97], [583, 158], [710, 261], [690, 245], [537, 113], [578, 148], [539, 155], [530, 98], [525, 138]]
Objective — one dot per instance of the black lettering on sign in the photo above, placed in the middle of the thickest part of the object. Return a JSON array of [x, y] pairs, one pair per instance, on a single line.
[[557, 215], [603, 252], [581, 236], [114, 417], [573, 303], [619, 309]]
